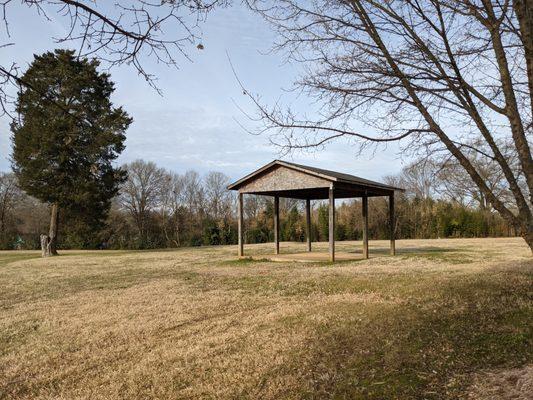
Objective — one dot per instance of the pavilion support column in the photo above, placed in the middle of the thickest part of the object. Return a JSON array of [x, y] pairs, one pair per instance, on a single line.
[[331, 224], [308, 223], [365, 226], [276, 224], [240, 224], [392, 225]]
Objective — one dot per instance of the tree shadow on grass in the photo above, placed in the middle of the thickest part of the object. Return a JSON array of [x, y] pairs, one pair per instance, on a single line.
[[410, 250], [450, 255], [426, 347], [8, 258]]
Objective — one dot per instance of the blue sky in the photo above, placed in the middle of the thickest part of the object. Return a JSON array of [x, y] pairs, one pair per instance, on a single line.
[[193, 125]]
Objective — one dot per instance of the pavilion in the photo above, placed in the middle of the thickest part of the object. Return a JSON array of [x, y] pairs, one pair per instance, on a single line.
[[289, 180]]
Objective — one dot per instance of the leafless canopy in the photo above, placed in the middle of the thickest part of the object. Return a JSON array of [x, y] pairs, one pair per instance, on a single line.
[[115, 32], [452, 78]]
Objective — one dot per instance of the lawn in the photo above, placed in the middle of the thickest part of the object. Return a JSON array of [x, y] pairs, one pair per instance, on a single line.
[[443, 319]]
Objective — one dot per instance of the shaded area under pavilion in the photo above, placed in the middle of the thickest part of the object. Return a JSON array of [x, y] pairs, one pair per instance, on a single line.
[[289, 180]]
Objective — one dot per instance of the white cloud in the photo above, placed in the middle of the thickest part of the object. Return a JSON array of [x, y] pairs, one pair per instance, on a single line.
[[192, 126]]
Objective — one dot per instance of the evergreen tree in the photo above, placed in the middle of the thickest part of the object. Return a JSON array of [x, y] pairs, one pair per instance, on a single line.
[[66, 137], [323, 222], [292, 228]]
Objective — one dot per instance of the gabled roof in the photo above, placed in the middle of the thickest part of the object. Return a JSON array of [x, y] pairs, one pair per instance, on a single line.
[[331, 176]]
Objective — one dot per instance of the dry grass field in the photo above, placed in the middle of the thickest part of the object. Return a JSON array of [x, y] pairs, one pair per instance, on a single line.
[[443, 319]]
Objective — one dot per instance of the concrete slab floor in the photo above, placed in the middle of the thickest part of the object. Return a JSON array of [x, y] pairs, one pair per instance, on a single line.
[[306, 257]]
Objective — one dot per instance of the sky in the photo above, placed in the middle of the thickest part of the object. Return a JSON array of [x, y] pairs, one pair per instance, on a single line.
[[196, 122]]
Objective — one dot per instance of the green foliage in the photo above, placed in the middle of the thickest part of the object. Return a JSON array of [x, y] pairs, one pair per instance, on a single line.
[[341, 232], [462, 222], [259, 230], [258, 234], [68, 135], [212, 234], [323, 222], [218, 232], [80, 230], [292, 226]]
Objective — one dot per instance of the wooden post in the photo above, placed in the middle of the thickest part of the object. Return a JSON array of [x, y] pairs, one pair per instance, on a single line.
[[276, 223], [392, 225], [331, 224], [308, 222], [240, 222], [365, 226]]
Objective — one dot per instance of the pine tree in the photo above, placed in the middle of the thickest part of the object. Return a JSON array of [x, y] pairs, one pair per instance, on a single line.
[[66, 137]]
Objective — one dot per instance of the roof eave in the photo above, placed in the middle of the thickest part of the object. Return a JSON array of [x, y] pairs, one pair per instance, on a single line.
[[237, 184], [375, 185]]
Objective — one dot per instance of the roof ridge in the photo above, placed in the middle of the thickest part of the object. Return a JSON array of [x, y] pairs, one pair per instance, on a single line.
[[337, 173], [320, 172]]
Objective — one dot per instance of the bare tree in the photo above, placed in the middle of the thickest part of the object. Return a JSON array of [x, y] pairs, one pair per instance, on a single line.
[[444, 177], [193, 192], [194, 201], [252, 206], [437, 75], [10, 194], [218, 198], [172, 198], [114, 32], [456, 184], [142, 191], [419, 179]]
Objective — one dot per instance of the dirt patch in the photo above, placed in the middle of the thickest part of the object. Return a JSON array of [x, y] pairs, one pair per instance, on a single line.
[[516, 384]]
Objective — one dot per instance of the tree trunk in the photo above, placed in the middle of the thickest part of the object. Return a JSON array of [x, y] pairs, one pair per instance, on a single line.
[[527, 234], [49, 243], [178, 242], [44, 245], [52, 244]]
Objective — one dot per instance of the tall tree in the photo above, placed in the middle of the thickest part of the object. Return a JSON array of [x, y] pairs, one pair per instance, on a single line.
[[438, 75], [67, 135], [455, 183], [218, 198], [9, 196], [193, 194], [172, 209], [142, 192]]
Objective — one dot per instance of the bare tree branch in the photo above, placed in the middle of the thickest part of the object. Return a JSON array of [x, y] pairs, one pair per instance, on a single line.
[[446, 77], [117, 34]]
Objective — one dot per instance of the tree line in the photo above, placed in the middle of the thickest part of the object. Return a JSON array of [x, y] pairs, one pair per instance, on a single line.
[[446, 78], [158, 208], [68, 135]]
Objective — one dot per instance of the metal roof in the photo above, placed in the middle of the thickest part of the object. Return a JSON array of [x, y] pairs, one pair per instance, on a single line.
[[346, 180]]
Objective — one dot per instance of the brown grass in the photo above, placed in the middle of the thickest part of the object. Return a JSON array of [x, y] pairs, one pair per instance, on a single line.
[[199, 324], [510, 384]]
